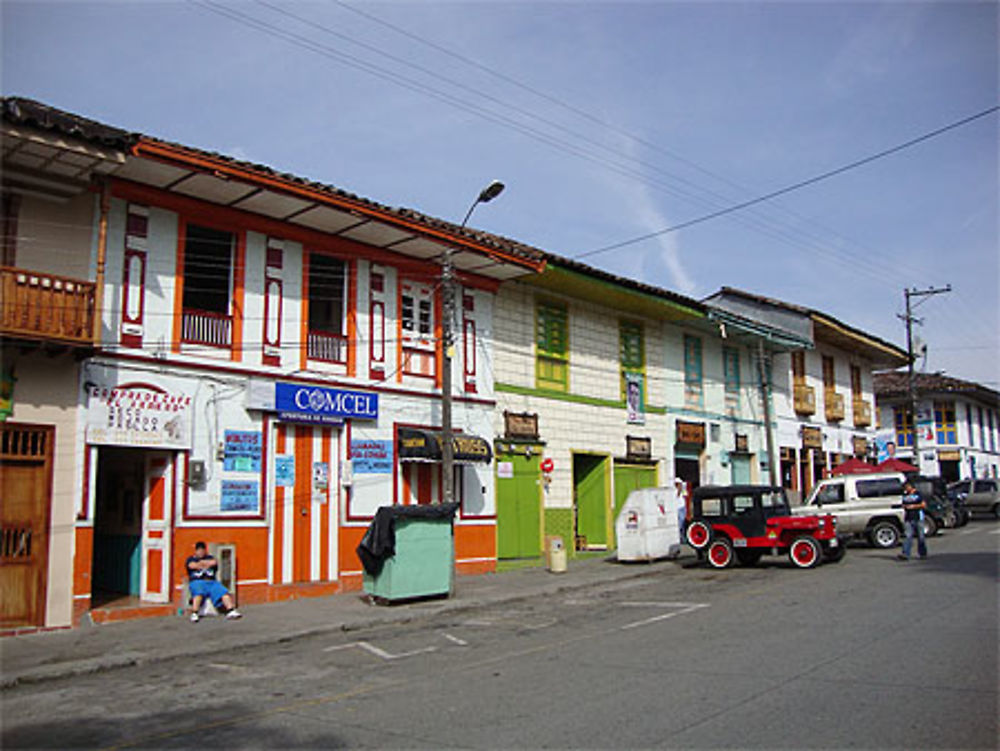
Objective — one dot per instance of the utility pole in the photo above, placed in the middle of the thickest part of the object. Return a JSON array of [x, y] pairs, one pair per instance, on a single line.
[[487, 194], [765, 395], [909, 294]]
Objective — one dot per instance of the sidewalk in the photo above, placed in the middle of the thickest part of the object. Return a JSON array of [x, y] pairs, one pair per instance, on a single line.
[[59, 654]]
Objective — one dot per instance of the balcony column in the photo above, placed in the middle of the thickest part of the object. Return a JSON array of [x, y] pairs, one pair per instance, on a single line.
[[102, 250]]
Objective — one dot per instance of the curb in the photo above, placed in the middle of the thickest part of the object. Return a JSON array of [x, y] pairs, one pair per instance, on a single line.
[[105, 663]]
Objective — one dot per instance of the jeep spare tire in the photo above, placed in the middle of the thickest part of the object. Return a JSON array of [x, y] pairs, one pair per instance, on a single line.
[[720, 553], [884, 535], [805, 552], [699, 535]]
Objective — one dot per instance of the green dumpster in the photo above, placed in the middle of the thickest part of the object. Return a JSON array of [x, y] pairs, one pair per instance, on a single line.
[[409, 552]]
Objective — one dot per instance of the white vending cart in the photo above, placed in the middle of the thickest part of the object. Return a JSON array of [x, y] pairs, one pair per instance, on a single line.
[[648, 527]]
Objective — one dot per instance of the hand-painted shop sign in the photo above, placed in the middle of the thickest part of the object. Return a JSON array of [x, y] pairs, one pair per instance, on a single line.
[[638, 447], [425, 445], [812, 438], [242, 451], [138, 414], [691, 433], [522, 425]]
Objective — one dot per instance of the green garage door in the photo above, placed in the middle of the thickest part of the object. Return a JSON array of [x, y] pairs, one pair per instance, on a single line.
[[629, 477], [519, 506]]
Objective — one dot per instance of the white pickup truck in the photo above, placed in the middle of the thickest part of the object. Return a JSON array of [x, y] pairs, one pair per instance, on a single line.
[[868, 506]]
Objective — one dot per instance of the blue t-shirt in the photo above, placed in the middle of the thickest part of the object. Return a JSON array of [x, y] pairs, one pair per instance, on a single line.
[[912, 514], [201, 574]]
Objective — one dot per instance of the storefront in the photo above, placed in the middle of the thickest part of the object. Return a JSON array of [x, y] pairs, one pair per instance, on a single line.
[[689, 447]]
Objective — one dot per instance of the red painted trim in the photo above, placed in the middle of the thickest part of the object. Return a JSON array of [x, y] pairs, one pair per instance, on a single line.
[[439, 338], [269, 280], [132, 340], [178, 155], [352, 318], [324, 510], [81, 515], [237, 295], [280, 499], [287, 377], [304, 313]]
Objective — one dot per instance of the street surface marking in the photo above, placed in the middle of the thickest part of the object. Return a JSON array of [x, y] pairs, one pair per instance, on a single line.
[[659, 604], [692, 607], [968, 531], [381, 653], [995, 532], [543, 624], [478, 622], [455, 640]]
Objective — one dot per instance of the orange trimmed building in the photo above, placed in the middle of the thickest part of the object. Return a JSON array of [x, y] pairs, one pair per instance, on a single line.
[[196, 348]]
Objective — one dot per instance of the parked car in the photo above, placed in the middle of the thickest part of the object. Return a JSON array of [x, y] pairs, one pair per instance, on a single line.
[[744, 522], [867, 506], [980, 495], [942, 511]]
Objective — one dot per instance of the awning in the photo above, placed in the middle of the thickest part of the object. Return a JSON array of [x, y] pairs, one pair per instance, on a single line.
[[425, 446]]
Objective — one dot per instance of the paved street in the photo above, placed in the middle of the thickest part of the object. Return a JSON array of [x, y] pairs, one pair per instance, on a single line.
[[868, 653]]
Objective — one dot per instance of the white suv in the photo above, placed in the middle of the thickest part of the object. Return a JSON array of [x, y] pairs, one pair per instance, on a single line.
[[869, 506]]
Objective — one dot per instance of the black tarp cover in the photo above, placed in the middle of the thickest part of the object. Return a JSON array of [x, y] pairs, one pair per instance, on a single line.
[[379, 542]]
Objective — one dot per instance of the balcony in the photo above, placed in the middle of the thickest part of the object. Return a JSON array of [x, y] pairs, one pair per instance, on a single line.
[[862, 413], [326, 347], [805, 399], [40, 306], [834, 404], [206, 328]]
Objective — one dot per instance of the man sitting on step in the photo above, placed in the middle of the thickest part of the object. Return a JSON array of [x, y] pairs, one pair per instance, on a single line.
[[202, 568]]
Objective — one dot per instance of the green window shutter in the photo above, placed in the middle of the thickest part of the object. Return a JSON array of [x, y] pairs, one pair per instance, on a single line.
[[552, 345], [731, 366], [631, 347]]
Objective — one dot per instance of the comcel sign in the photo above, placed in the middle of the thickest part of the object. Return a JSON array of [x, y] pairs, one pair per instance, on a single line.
[[320, 402]]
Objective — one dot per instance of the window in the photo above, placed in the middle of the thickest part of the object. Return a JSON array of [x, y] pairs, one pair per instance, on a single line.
[[326, 282], [856, 382], [830, 494], [743, 504], [799, 366], [829, 376], [693, 394], [879, 488], [944, 421], [631, 350], [416, 316], [971, 425], [208, 267], [711, 507], [904, 426], [552, 346], [982, 429], [731, 369], [993, 435]]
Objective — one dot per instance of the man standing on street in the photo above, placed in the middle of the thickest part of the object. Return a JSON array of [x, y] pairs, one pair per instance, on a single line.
[[913, 519], [202, 567]]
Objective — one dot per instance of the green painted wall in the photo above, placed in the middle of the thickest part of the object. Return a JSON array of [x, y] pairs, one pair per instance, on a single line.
[[559, 522]]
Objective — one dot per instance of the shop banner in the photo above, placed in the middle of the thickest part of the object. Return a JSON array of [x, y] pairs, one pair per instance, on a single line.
[[634, 403], [139, 415], [240, 495], [371, 457], [241, 451], [319, 404], [284, 470]]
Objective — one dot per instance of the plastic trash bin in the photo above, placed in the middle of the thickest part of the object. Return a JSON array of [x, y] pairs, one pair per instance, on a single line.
[[409, 552]]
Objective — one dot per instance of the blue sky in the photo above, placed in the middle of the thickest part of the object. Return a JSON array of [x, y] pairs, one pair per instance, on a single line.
[[606, 121]]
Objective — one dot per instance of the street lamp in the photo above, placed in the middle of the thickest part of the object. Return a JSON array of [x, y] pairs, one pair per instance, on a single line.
[[486, 195]]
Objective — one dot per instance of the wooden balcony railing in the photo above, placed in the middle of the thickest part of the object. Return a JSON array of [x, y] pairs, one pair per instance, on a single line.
[[207, 328], [805, 399], [862, 413], [834, 405], [35, 305], [326, 347]]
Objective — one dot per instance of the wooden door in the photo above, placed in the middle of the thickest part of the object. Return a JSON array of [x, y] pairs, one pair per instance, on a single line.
[[519, 506], [25, 505], [629, 477], [157, 511]]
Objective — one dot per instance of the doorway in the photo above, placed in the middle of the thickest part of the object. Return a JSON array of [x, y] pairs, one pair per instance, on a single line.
[[590, 498], [133, 506], [740, 466], [949, 470], [117, 563], [519, 505], [629, 477]]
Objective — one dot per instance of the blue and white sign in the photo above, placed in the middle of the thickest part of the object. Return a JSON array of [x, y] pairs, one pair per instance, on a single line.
[[240, 495], [284, 470], [371, 457], [323, 405]]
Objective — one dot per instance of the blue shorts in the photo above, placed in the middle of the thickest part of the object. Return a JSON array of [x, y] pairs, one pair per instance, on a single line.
[[210, 588]]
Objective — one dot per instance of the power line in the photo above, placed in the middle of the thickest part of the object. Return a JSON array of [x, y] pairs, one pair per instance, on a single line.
[[795, 186]]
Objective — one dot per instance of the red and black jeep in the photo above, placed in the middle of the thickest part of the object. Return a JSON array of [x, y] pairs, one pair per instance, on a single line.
[[743, 522]]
